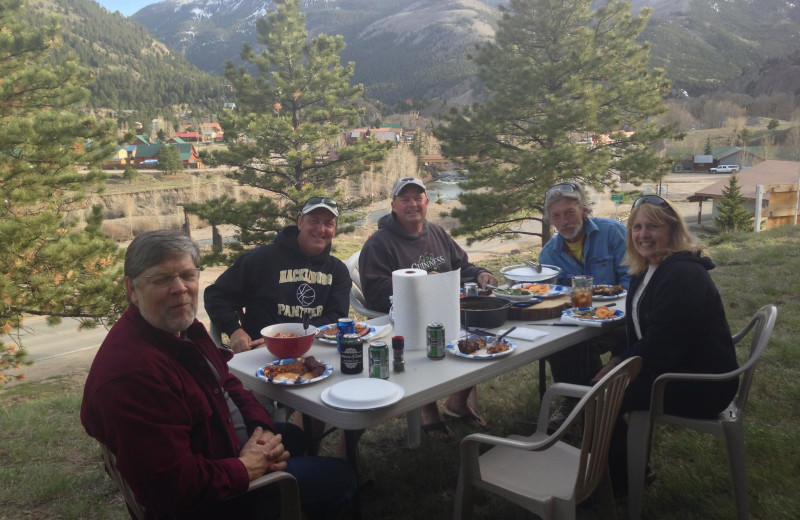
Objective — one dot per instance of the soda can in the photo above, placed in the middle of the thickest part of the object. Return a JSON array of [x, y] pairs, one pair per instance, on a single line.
[[379, 360], [434, 336], [344, 326], [351, 357]]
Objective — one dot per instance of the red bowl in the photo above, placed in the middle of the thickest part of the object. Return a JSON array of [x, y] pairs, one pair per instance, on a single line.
[[294, 347]]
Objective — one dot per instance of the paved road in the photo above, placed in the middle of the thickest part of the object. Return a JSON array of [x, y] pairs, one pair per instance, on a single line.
[[63, 349]]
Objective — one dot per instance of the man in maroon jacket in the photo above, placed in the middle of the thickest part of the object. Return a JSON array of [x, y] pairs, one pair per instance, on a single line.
[[186, 433]]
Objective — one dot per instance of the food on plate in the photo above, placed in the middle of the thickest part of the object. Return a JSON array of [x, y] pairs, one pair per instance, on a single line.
[[470, 345], [497, 347], [331, 331], [603, 312], [598, 313], [537, 288], [513, 292], [607, 290], [297, 371]]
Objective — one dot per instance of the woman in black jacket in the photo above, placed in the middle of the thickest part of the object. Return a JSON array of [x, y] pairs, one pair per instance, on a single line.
[[674, 320]]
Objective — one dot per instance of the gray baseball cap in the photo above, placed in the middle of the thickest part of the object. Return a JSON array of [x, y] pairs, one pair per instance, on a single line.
[[401, 184]]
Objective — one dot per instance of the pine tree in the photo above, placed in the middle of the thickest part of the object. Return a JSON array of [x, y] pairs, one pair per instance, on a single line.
[[49, 158], [556, 74], [731, 215], [281, 137], [708, 150], [169, 160]]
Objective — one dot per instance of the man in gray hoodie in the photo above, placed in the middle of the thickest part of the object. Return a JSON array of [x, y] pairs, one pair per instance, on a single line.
[[405, 239]]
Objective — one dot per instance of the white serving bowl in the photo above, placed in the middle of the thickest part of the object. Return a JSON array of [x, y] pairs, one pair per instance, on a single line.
[[522, 273]]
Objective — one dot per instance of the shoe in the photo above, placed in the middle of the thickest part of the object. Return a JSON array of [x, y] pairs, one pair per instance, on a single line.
[[439, 430], [562, 412], [470, 418]]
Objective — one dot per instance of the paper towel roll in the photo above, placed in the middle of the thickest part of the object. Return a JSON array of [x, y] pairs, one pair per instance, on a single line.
[[420, 298]]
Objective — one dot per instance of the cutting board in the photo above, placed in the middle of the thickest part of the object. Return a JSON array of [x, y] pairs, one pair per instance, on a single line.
[[549, 309]]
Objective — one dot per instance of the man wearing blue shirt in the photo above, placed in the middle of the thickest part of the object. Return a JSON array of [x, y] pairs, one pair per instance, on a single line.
[[584, 245]]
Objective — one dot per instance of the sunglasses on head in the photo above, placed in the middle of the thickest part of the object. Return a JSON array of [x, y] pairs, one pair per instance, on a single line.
[[564, 187], [322, 200], [655, 200]]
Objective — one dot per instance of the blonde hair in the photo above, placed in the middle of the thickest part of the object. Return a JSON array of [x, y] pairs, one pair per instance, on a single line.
[[663, 215]]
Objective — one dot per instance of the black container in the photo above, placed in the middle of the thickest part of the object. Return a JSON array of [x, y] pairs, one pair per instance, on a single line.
[[484, 312]]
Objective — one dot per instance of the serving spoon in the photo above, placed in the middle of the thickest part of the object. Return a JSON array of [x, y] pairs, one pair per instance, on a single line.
[[536, 266]]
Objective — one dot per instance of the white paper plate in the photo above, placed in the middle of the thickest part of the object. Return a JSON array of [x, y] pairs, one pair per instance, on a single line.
[[555, 290], [481, 354], [363, 393], [260, 373], [331, 340], [612, 297], [574, 316]]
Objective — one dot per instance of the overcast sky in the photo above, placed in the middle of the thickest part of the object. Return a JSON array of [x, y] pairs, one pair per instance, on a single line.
[[126, 7]]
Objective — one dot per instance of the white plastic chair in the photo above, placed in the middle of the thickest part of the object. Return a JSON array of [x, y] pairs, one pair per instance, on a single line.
[[728, 425], [356, 294], [541, 473], [290, 493]]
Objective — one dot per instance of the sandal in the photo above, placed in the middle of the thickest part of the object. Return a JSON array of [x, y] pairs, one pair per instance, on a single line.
[[470, 418], [439, 430]]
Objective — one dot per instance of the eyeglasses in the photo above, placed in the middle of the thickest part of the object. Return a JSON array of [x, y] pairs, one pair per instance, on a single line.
[[564, 187], [655, 200], [165, 280], [322, 200]]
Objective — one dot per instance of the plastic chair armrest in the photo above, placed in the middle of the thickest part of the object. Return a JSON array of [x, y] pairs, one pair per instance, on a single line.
[[290, 493], [659, 385], [558, 389]]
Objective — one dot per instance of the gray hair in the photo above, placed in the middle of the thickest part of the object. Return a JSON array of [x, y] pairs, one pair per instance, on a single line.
[[153, 247], [567, 190]]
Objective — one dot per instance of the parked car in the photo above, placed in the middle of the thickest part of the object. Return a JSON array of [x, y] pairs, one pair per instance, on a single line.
[[725, 168]]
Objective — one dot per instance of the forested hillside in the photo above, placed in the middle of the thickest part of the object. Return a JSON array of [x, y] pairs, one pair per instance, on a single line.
[[132, 69]]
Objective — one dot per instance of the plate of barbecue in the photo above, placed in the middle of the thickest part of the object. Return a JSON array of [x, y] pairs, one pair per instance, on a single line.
[[474, 346], [608, 292], [300, 371]]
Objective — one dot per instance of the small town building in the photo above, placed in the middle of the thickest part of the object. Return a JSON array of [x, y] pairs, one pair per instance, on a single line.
[[779, 181]]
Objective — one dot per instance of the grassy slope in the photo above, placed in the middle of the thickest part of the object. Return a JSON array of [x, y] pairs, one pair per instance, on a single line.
[[50, 469]]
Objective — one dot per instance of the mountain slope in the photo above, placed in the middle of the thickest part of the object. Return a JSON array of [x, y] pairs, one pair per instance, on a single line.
[[402, 50], [132, 69], [418, 49]]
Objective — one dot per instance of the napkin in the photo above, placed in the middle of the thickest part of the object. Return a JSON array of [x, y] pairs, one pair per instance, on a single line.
[[381, 331], [523, 333]]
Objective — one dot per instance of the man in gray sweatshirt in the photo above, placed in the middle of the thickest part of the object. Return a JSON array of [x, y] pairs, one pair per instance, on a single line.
[[405, 239]]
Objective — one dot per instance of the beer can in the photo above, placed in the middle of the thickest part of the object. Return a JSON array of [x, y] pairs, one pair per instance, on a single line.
[[344, 326], [351, 357], [379, 360], [434, 336]]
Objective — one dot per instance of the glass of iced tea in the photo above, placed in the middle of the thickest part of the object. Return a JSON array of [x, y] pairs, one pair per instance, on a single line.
[[582, 291]]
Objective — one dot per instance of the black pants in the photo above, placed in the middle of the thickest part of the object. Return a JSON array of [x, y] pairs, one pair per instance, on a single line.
[[685, 399]]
